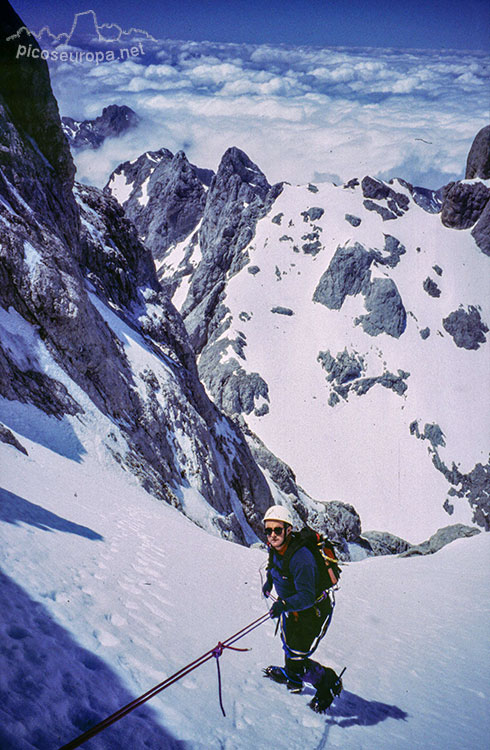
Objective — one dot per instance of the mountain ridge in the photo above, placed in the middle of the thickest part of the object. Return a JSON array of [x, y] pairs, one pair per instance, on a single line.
[[199, 281], [113, 122]]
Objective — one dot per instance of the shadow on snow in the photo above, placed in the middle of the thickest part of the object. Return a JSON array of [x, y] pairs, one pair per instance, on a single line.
[[52, 690], [51, 432], [349, 710], [15, 509]]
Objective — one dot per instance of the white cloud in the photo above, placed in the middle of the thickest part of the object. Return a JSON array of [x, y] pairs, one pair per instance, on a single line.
[[298, 111]]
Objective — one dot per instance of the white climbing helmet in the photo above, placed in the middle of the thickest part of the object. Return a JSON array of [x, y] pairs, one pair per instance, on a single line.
[[278, 513]]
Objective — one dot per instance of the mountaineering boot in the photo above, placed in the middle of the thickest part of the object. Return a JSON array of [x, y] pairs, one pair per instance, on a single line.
[[329, 686], [279, 674]]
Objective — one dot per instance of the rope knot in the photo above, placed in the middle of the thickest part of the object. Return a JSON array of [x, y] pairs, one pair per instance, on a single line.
[[218, 650]]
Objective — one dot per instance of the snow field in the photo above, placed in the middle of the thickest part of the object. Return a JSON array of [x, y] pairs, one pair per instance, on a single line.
[[110, 592], [361, 451]]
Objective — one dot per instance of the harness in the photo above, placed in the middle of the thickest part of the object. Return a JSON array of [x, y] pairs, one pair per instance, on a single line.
[[323, 593], [295, 654]]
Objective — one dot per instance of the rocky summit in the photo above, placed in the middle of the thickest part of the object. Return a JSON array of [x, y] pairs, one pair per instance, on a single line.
[[114, 121]]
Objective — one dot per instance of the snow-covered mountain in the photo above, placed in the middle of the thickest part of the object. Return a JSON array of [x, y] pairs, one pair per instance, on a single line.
[[105, 590], [85, 325], [345, 326]]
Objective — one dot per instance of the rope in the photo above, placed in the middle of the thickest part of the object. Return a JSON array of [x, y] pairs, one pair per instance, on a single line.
[[215, 652]]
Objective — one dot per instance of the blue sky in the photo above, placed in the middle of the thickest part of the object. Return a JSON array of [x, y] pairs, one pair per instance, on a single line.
[[424, 24], [275, 79]]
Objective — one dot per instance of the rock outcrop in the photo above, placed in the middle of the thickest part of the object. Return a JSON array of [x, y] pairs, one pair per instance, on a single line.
[[439, 540], [349, 274], [466, 327], [238, 196], [463, 204], [467, 204], [481, 230], [478, 162], [113, 122], [163, 195]]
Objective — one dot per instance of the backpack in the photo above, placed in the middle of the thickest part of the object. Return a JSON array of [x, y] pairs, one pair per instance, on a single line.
[[323, 552]]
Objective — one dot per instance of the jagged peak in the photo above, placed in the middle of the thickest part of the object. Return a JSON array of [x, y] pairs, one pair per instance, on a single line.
[[239, 162]]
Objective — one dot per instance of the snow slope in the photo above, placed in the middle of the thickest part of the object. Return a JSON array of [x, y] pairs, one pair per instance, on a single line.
[[362, 450], [105, 592]]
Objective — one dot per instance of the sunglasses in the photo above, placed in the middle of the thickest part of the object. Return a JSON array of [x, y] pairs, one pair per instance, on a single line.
[[277, 530]]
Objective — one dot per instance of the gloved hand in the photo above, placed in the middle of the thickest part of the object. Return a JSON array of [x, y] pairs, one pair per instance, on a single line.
[[277, 608], [266, 589]]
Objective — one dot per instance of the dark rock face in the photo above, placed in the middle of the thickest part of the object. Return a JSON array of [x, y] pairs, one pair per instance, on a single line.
[[313, 214], [429, 200], [354, 220], [466, 327], [234, 389], [384, 543], [463, 204], [30, 386], [338, 521], [394, 250], [474, 486], [36, 117], [281, 474], [431, 287], [343, 368], [439, 540], [481, 230], [124, 265], [166, 197], [347, 274], [374, 190], [386, 313], [6, 436], [478, 163], [238, 196], [114, 121], [282, 310], [432, 433], [384, 212]]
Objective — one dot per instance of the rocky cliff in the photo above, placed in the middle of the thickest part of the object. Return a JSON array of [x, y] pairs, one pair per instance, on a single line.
[[86, 324], [466, 204]]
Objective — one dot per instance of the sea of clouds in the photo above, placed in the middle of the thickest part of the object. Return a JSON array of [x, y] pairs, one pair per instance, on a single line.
[[301, 113]]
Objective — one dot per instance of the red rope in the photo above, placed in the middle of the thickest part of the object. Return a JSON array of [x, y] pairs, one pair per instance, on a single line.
[[215, 652]]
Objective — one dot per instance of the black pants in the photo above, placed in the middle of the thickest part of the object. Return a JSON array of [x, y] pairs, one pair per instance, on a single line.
[[299, 631]]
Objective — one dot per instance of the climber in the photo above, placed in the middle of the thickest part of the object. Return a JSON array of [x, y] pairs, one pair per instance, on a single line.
[[303, 606]]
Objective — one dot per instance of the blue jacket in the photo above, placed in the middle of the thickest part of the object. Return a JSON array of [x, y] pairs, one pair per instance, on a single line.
[[298, 590]]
